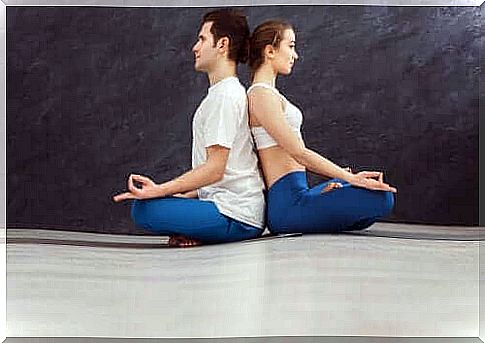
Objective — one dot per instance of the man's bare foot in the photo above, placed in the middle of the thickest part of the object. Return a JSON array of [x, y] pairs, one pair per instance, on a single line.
[[182, 242]]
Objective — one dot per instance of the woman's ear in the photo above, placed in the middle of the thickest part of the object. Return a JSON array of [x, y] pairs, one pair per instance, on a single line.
[[269, 51]]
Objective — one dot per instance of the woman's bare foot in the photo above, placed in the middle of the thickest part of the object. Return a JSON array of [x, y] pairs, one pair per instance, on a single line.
[[334, 185], [330, 186], [182, 242]]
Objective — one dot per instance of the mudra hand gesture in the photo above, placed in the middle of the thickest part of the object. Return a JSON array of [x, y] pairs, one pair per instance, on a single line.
[[148, 189], [365, 179]]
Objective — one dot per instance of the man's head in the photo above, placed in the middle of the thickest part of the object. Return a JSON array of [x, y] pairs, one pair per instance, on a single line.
[[223, 35]]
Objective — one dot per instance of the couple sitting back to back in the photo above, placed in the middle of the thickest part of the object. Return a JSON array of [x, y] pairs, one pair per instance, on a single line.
[[221, 198]]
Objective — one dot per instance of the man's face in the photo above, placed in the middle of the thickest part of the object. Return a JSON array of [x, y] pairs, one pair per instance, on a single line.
[[205, 52]]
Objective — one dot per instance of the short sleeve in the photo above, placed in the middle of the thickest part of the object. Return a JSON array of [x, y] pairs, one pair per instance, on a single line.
[[222, 120]]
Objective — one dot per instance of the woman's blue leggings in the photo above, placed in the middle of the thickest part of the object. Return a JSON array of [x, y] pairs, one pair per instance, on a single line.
[[294, 207], [191, 218]]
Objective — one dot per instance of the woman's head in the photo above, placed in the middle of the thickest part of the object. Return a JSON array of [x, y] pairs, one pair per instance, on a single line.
[[273, 42]]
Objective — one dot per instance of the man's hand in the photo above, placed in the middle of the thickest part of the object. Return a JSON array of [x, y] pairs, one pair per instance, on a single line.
[[188, 195], [148, 190], [184, 186]]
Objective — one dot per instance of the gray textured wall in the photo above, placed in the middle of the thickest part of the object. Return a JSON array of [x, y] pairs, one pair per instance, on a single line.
[[96, 93]]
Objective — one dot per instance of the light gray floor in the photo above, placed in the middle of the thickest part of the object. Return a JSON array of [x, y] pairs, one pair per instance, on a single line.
[[309, 285]]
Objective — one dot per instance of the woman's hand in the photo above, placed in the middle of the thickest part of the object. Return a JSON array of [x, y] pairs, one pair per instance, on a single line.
[[365, 179], [148, 189]]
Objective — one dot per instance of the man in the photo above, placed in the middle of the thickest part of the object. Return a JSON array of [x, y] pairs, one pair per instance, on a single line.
[[221, 198]]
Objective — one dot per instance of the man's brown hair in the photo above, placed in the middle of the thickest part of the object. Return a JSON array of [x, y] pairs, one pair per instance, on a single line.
[[232, 24]]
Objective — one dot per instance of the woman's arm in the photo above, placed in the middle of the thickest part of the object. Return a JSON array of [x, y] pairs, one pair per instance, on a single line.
[[266, 107]]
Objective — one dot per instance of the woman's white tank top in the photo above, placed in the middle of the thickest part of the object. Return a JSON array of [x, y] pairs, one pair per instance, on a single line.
[[293, 115]]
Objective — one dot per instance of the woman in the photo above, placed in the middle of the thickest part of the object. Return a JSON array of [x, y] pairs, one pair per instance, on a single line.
[[348, 201]]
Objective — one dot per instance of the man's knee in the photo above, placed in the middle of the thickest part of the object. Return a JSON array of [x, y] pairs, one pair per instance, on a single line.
[[138, 214]]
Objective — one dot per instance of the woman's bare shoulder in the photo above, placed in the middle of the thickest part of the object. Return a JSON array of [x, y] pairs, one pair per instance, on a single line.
[[258, 92]]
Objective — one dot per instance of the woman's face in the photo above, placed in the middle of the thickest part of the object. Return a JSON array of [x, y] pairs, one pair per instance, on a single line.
[[285, 55]]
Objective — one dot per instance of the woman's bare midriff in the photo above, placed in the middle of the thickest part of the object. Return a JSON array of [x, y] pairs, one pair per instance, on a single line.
[[276, 163]]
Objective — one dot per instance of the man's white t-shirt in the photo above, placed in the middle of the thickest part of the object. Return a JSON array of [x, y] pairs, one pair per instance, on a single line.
[[222, 119]]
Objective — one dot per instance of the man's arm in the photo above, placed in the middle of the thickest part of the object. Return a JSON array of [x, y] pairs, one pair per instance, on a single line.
[[207, 173]]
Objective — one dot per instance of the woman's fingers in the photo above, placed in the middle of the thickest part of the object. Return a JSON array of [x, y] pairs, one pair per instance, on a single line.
[[373, 184], [379, 185], [385, 186], [376, 184], [372, 174], [369, 174]]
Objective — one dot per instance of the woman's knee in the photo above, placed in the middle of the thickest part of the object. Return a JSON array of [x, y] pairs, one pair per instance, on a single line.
[[387, 204]]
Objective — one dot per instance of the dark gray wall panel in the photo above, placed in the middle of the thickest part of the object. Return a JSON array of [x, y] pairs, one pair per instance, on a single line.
[[96, 93]]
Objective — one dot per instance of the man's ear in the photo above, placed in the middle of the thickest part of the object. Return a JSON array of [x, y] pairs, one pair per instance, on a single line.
[[223, 43]]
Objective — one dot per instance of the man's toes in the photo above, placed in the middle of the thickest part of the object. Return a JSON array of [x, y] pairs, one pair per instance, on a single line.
[[181, 241], [192, 242], [173, 241]]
